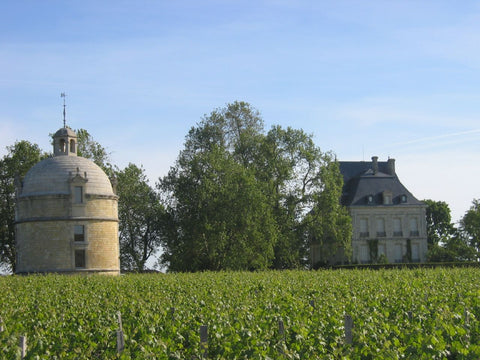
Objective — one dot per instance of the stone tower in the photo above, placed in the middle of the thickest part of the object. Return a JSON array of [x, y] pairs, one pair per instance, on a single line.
[[67, 215]]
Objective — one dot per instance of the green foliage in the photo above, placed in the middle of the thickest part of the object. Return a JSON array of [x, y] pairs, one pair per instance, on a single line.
[[242, 199], [13, 167], [439, 222], [141, 218], [91, 149], [470, 225], [411, 314]]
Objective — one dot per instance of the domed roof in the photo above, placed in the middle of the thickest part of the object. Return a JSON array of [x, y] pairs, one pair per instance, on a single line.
[[53, 175], [65, 132]]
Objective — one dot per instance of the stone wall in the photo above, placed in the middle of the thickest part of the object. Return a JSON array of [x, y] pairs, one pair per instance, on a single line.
[[392, 244], [45, 234]]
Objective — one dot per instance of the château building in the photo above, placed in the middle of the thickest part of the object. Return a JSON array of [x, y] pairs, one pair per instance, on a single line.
[[389, 223], [66, 214]]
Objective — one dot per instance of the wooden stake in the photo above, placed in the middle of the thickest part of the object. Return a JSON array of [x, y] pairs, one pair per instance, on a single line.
[[119, 319], [281, 332], [23, 346], [281, 329], [348, 321], [120, 341], [120, 335], [204, 340], [1, 324]]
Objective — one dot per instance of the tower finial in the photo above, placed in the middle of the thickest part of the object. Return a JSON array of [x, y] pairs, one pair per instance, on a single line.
[[64, 113]]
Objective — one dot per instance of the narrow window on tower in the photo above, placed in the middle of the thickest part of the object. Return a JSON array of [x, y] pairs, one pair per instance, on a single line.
[[78, 193], [80, 259], [79, 232]]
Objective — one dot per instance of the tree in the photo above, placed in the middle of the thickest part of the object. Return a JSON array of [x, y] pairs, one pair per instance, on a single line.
[[439, 223], [470, 225], [305, 191], [455, 249], [329, 224], [243, 199], [91, 149], [13, 167], [220, 212], [141, 218]]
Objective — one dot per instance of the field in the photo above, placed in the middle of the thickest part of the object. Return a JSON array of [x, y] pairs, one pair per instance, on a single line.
[[412, 314]]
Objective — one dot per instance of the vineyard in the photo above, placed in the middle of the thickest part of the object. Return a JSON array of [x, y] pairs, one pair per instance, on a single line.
[[412, 314]]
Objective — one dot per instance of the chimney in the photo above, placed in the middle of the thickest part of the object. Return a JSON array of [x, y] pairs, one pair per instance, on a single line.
[[375, 164], [391, 166]]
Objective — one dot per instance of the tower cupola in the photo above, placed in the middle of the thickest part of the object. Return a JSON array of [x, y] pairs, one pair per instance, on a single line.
[[65, 142]]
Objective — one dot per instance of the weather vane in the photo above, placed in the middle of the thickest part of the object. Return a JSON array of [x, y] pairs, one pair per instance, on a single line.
[[64, 113]]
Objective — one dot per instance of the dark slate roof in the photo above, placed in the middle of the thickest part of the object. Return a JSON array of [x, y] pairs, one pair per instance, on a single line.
[[360, 182]]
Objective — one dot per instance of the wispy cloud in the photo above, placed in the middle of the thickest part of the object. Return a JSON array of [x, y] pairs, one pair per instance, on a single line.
[[439, 139]]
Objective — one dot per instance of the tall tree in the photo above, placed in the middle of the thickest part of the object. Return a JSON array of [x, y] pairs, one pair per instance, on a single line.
[[13, 167], [240, 198], [220, 211], [470, 225], [305, 188], [439, 222], [328, 224], [141, 218]]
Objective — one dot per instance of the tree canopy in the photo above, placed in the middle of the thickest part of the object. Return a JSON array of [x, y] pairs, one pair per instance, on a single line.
[[439, 222], [445, 241], [242, 198], [140, 218], [470, 226], [20, 158]]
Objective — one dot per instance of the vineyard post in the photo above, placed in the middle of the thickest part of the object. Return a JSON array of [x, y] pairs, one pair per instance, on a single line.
[[1, 324], [204, 340], [281, 332], [281, 329], [119, 319], [172, 313], [348, 321], [23, 346], [312, 303], [120, 337]]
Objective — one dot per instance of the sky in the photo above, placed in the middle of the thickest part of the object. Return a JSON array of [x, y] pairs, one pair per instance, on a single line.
[[395, 79]]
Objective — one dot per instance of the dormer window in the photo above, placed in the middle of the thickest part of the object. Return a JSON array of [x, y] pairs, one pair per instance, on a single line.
[[370, 199], [387, 198], [403, 198]]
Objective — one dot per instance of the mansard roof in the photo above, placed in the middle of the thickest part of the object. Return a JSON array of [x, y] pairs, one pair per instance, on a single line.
[[366, 184]]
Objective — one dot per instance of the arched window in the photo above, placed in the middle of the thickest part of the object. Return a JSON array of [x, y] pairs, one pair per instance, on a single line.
[[72, 146], [63, 146]]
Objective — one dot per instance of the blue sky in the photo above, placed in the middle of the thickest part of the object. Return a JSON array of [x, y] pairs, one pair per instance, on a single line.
[[384, 78]]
